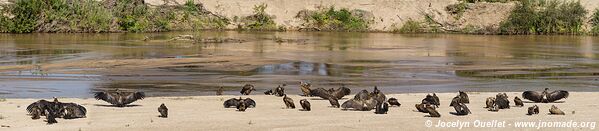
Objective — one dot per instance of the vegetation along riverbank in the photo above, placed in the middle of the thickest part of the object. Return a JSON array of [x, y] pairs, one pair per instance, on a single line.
[[530, 17]]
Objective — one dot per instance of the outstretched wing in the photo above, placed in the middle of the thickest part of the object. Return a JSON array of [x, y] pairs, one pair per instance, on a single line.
[[557, 95], [250, 103], [108, 97], [134, 97], [321, 92], [341, 92], [533, 96]]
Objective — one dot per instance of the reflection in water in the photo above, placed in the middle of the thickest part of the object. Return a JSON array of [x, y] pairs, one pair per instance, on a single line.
[[299, 68]]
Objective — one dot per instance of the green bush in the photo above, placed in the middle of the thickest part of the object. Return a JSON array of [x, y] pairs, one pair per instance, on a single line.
[[334, 20], [545, 17], [26, 13], [474, 1], [457, 9], [411, 26], [259, 20], [595, 22]]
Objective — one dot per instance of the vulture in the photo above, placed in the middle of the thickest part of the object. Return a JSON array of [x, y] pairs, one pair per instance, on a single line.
[[119, 98], [247, 89], [220, 91], [393, 101], [305, 87], [421, 107], [381, 108], [545, 96], [490, 102], [279, 91], [241, 106], [288, 102], [233, 102], [305, 104], [378, 95], [459, 106], [555, 111], [518, 101], [502, 102], [533, 110], [163, 111], [326, 94]]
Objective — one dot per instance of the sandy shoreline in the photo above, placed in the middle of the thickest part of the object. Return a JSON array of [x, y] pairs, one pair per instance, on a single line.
[[207, 113]]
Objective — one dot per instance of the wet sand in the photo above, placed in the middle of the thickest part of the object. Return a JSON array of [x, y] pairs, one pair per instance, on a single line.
[[207, 113]]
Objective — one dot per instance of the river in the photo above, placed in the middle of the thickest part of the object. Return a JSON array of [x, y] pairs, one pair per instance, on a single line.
[[396, 63]]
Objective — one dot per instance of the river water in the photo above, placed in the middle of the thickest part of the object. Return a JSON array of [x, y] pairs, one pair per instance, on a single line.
[[393, 62]]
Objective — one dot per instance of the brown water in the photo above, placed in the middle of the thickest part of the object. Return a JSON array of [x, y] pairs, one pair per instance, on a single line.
[[396, 63]]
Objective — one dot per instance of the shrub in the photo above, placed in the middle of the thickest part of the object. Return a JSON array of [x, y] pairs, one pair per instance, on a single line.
[[545, 17], [334, 20], [259, 20], [411, 26], [595, 22]]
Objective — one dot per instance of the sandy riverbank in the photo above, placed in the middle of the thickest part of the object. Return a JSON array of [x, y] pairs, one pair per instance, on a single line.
[[207, 113]]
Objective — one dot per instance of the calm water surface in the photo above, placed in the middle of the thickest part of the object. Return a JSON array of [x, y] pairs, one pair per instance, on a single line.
[[396, 63]]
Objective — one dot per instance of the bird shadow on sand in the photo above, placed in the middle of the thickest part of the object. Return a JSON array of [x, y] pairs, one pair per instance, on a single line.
[[456, 114], [542, 102], [325, 99], [104, 105]]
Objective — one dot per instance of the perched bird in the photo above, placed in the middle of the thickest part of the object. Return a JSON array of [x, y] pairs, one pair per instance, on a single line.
[[490, 102], [393, 101], [460, 108], [279, 91], [533, 110], [241, 106], [247, 89], [305, 104], [305, 87], [432, 111], [502, 102], [545, 96], [378, 95], [518, 101], [163, 111], [219, 91], [381, 108], [432, 100], [288, 102], [119, 98], [269, 92], [555, 111], [334, 102]]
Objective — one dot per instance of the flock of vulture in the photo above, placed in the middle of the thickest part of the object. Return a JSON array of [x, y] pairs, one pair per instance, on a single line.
[[362, 101], [377, 101]]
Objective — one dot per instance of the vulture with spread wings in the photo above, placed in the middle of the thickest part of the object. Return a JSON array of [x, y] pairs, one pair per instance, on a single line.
[[545, 96], [119, 98]]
